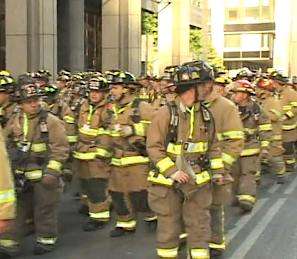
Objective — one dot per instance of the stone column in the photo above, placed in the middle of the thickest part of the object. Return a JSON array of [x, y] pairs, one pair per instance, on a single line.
[[121, 35], [293, 41]]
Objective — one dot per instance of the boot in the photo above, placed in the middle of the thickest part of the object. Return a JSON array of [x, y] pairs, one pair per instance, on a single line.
[[93, 225], [118, 232], [8, 252], [246, 206], [40, 249]]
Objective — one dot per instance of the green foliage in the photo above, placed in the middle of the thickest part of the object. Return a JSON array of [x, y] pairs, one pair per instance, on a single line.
[[196, 42], [149, 25]]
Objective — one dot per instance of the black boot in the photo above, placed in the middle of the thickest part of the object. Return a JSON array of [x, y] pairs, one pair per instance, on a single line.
[[246, 206], [118, 232], [93, 225], [8, 252], [40, 249]]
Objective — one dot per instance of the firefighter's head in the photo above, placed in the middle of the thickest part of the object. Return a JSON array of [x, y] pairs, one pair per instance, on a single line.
[[97, 87], [242, 91], [221, 83], [7, 84], [29, 98]]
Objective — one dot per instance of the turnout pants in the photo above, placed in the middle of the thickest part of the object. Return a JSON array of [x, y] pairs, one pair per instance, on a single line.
[[289, 155]]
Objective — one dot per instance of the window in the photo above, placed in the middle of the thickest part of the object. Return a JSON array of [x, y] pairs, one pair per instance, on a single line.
[[251, 3], [232, 3], [232, 41], [266, 15], [252, 14], [250, 42]]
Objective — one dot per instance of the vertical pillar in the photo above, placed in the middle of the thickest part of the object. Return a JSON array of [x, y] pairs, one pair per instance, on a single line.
[[293, 41], [217, 26]]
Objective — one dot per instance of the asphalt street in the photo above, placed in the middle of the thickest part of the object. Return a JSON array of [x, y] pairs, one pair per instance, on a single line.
[[269, 232]]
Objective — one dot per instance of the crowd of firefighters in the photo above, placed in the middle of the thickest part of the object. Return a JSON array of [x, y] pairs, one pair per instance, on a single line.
[[177, 148]]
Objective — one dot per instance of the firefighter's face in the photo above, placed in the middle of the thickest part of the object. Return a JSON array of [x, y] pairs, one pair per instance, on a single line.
[[3, 97], [221, 90], [96, 96], [240, 97], [61, 84], [117, 91], [188, 97], [31, 106]]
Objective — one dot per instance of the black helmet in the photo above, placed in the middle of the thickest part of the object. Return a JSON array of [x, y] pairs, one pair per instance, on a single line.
[[98, 84], [29, 91], [7, 84], [169, 73], [278, 76], [120, 77], [51, 90]]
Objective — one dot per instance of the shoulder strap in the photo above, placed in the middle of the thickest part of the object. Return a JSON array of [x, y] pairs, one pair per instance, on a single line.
[[43, 125], [173, 124]]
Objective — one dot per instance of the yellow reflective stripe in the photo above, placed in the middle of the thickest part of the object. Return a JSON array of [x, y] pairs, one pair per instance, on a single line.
[[145, 122], [31, 175], [114, 133], [294, 104], [221, 246], [46, 240], [289, 127], [192, 120], [228, 159], [277, 137], [290, 161], [7, 196], [199, 253], [130, 160], [249, 198], [250, 131], [90, 114], [25, 126], [265, 127], [287, 108], [167, 253], [159, 179], [183, 235], [277, 113], [72, 139], [69, 119], [164, 164], [84, 156], [89, 132], [103, 215], [8, 243], [216, 163], [265, 143], [102, 131], [191, 147], [131, 224], [103, 152], [54, 165], [235, 134], [250, 152], [140, 129], [202, 178], [290, 114], [37, 148]]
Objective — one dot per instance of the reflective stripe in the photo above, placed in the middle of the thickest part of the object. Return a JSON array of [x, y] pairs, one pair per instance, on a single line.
[[130, 160], [228, 159], [25, 126], [250, 152], [258, 175], [202, 178], [7, 196], [31, 175], [249, 198], [250, 131], [290, 161], [265, 127], [89, 132], [265, 143], [277, 137], [46, 240], [199, 253], [8, 243], [221, 246], [150, 219], [84, 156], [102, 131], [216, 163], [277, 113], [183, 235], [189, 147], [192, 120], [139, 129], [126, 224], [72, 139], [54, 165], [294, 104], [90, 114], [290, 114], [103, 215], [289, 127], [39, 147], [69, 119], [164, 164], [103, 152], [287, 107], [230, 135], [167, 253]]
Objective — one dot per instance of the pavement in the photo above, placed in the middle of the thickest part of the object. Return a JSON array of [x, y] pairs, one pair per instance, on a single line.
[[268, 232]]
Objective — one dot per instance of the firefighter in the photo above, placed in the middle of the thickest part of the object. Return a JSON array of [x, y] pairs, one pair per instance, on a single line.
[[258, 135], [273, 108], [7, 202], [288, 99], [127, 122], [93, 155], [41, 147], [230, 134], [183, 148], [222, 81]]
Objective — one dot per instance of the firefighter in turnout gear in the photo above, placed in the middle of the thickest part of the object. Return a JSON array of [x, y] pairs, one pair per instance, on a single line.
[[7, 202], [183, 148], [258, 135], [230, 134], [93, 155], [127, 123], [273, 108], [288, 99], [41, 148]]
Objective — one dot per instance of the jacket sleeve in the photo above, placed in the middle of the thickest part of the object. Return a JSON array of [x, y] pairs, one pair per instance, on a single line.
[[156, 143], [264, 129], [59, 146], [70, 124], [7, 193]]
